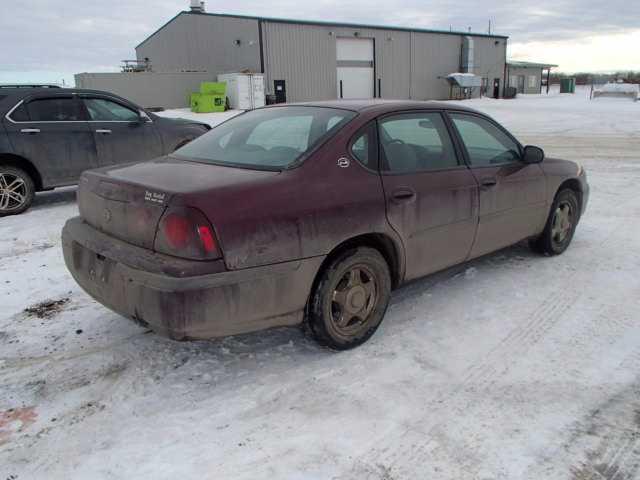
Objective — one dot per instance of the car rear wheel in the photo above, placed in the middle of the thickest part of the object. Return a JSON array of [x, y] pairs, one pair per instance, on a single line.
[[561, 224], [16, 190], [350, 299]]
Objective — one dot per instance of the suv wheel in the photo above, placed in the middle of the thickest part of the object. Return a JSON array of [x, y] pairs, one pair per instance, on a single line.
[[350, 299], [16, 190]]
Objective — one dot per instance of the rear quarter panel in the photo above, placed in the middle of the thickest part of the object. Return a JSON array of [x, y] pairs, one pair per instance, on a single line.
[[303, 212]]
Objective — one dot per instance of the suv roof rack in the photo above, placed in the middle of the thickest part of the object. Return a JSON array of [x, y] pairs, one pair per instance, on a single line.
[[29, 85]]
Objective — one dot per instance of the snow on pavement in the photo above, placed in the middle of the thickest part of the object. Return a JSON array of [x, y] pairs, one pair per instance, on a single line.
[[514, 366]]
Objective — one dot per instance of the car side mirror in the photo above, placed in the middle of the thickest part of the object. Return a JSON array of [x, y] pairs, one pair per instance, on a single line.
[[532, 154]]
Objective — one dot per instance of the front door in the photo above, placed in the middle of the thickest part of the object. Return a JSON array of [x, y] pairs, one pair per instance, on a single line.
[[496, 88], [431, 195], [512, 193], [120, 133], [51, 132]]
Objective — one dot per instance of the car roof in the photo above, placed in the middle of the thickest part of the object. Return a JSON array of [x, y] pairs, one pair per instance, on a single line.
[[382, 105]]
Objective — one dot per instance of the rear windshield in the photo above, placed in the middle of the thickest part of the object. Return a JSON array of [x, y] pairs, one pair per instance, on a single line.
[[270, 138]]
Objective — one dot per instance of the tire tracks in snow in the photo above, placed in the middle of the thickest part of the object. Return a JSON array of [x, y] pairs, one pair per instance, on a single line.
[[411, 448]]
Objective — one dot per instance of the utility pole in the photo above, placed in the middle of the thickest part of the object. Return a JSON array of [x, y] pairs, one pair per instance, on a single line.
[[489, 26]]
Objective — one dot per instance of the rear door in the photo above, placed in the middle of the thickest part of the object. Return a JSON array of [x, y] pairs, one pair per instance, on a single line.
[[51, 132], [512, 193], [121, 134], [431, 195]]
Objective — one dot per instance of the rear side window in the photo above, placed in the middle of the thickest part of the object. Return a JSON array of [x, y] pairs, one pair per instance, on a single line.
[[54, 110], [486, 144], [364, 147], [415, 142], [102, 110]]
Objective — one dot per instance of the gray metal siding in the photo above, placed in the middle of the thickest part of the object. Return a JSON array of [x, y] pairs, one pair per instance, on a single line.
[[204, 43], [433, 57], [408, 64], [147, 89], [304, 56], [490, 60]]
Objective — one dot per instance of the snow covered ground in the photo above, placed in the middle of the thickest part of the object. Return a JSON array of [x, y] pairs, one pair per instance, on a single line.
[[514, 366]]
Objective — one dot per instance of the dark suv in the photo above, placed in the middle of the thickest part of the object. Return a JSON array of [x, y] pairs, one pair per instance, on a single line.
[[49, 136]]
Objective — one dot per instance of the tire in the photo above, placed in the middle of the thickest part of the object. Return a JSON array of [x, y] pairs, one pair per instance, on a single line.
[[561, 224], [17, 190], [349, 299]]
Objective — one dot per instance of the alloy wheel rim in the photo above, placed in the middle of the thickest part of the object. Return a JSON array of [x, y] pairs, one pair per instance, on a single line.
[[353, 300], [562, 222], [13, 192]]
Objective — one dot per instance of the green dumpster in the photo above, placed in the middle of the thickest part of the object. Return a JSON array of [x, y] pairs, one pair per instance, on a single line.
[[213, 88], [568, 85], [211, 98], [204, 103]]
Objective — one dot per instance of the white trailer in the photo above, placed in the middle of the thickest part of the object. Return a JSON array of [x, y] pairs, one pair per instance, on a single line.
[[244, 90]]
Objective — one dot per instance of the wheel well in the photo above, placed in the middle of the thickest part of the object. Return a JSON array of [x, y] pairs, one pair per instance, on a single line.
[[23, 163], [572, 184], [377, 241]]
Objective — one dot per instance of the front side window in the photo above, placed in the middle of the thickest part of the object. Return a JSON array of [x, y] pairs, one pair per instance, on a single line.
[[59, 109], [486, 144], [415, 142], [102, 110], [270, 138]]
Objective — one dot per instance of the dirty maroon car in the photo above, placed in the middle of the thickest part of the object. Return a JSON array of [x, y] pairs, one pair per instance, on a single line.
[[312, 213]]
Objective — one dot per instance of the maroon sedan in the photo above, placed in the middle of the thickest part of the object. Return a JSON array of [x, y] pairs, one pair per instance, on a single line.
[[312, 213]]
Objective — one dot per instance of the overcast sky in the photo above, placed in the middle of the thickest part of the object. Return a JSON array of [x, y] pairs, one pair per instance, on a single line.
[[47, 40]]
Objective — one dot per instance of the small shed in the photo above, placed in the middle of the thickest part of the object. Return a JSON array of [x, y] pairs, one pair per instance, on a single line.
[[529, 77]]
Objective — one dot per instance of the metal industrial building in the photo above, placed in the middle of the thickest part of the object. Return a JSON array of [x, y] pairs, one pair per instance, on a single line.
[[312, 60]]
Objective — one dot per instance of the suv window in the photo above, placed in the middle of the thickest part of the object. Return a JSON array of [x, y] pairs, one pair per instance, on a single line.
[[20, 114], [103, 110], [58, 109], [486, 144], [414, 142]]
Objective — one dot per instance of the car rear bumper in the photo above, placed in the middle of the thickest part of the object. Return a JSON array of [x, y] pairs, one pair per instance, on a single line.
[[149, 289]]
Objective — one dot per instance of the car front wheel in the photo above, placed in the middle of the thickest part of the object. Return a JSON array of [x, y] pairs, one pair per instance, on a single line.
[[561, 224], [16, 190], [350, 299]]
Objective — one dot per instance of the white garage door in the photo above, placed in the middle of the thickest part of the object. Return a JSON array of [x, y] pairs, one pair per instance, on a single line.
[[355, 67]]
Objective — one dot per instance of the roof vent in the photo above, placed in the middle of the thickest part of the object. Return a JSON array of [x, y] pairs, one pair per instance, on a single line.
[[197, 6]]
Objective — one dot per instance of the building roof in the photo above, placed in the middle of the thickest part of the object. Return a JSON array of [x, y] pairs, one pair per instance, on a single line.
[[519, 64], [326, 24]]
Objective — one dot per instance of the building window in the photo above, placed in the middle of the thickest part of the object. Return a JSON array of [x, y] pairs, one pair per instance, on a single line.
[[533, 81]]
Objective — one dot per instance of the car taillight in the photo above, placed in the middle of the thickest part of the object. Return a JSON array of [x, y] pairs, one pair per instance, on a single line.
[[185, 232]]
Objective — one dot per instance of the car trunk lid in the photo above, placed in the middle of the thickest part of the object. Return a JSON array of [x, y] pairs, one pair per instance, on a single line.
[[127, 201]]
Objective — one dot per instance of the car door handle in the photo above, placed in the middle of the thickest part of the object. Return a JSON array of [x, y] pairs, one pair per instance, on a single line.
[[403, 195], [103, 131], [487, 183], [30, 130]]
